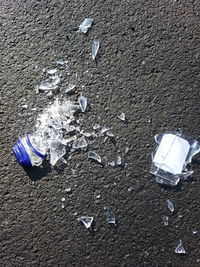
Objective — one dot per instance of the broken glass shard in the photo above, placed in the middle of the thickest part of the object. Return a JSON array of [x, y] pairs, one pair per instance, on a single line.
[[109, 134], [94, 156], [24, 106], [96, 126], [111, 163], [104, 130], [130, 189], [127, 150], [95, 48], [165, 220], [82, 103], [55, 81], [62, 199], [169, 161], [194, 232], [170, 205], [86, 220], [70, 88], [180, 248], [80, 143], [85, 25], [51, 71], [122, 116], [62, 206], [62, 64], [47, 86], [68, 190], [111, 217], [57, 151], [119, 160], [86, 134]]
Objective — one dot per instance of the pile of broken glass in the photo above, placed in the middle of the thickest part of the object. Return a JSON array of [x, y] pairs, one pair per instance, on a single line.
[[171, 157], [55, 128]]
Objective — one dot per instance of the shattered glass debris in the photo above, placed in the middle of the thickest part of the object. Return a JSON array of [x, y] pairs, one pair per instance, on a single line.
[[85, 25], [57, 151], [109, 134], [68, 190], [95, 48], [96, 126], [94, 156], [104, 130], [82, 103], [110, 217], [119, 160], [165, 220], [24, 106], [170, 205], [169, 161], [111, 163], [130, 189], [62, 199], [180, 248], [70, 88], [44, 86], [86, 220], [80, 143], [48, 137], [51, 71], [127, 150], [62, 64], [194, 232], [122, 116]]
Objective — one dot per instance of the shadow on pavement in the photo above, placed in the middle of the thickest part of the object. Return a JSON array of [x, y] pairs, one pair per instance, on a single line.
[[37, 173]]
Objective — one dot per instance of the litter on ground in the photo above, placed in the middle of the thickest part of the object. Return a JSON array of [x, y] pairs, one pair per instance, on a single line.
[[85, 25], [94, 156], [95, 49], [110, 217], [180, 248], [173, 153], [86, 220], [170, 205], [122, 116], [165, 220]]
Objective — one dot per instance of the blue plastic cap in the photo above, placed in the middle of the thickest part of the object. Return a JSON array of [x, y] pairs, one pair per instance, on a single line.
[[21, 154]]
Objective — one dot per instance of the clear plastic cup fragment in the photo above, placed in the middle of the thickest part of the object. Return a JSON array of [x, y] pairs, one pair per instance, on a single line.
[[173, 153]]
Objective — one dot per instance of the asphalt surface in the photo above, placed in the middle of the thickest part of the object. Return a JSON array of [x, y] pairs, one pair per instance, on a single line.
[[148, 68]]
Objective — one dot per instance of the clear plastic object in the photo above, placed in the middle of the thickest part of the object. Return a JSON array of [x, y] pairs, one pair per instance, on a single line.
[[171, 157]]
